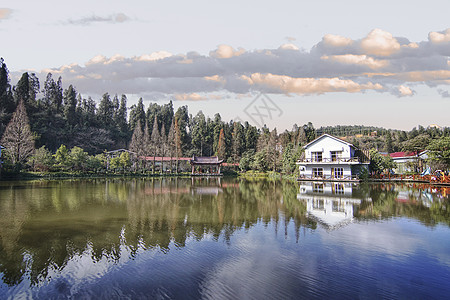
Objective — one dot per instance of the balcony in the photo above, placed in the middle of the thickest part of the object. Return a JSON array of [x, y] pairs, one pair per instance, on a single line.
[[328, 160]]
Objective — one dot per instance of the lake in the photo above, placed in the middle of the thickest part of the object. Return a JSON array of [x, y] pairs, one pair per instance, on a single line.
[[220, 238]]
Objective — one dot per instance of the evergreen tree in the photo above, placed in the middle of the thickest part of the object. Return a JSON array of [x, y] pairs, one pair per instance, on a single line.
[[7, 105], [198, 133], [137, 115], [18, 139], [182, 118], [272, 151], [70, 105], [52, 93], [105, 113], [26, 89], [237, 141]]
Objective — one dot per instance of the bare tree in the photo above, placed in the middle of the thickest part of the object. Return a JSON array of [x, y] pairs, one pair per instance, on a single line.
[[155, 141], [18, 139]]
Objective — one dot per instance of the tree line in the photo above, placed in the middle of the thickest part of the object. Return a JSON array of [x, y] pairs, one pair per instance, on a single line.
[[37, 120]]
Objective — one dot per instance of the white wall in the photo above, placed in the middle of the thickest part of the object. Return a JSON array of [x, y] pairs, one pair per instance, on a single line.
[[326, 169], [328, 144]]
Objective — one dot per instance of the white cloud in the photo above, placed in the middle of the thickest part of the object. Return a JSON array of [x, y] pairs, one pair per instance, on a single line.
[[288, 84], [380, 43], [405, 91], [439, 37], [5, 13], [226, 51], [189, 97], [358, 60], [154, 56], [336, 40], [288, 47]]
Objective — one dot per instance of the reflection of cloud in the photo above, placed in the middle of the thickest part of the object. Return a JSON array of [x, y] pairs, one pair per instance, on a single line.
[[390, 239], [115, 18], [378, 61]]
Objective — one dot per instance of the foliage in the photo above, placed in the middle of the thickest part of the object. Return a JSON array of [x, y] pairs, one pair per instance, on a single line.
[[78, 159], [121, 162], [62, 157], [41, 160], [440, 151], [380, 163]]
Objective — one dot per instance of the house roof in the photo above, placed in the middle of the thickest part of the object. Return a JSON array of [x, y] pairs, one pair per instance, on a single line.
[[330, 136], [402, 154]]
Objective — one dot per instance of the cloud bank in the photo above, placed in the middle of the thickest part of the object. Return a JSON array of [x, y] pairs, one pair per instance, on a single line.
[[377, 62]]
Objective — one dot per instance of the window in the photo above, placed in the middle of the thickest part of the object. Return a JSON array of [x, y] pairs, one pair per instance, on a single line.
[[317, 172], [316, 156], [318, 188], [337, 172], [336, 155], [338, 188]]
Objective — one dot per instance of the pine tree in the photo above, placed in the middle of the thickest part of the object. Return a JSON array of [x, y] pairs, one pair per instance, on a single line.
[[18, 139], [70, 105]]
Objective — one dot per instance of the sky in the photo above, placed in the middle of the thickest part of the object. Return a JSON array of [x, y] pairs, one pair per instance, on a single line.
[[383, 63]]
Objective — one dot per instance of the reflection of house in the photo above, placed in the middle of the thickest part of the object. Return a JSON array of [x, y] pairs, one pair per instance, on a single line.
[[328, 157], [330, 203], [409, 161]]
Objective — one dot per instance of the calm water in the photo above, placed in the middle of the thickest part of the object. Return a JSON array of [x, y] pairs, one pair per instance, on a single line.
[[222, 239]]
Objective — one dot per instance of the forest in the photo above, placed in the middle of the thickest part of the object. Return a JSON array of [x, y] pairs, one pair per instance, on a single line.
[[47, 128]]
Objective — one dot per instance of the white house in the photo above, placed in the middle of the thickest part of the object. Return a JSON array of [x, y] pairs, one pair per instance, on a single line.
[[329, 157]]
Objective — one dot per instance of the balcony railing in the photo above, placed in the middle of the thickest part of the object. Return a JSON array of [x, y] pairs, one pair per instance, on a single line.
[[329, 177], [330, 160]]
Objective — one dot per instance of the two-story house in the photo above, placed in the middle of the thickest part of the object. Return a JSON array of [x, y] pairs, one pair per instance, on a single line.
[[331, 158]]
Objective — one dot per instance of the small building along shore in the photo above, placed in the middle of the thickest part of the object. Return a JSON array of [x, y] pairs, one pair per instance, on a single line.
[[206, 165], [409, 161], [330, 158]]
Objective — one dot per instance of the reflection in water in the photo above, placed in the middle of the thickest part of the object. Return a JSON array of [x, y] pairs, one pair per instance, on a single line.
[[56, 236], [330, 203]]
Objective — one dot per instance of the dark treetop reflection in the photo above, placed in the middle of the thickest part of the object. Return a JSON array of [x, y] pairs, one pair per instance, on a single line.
[[57, 234]]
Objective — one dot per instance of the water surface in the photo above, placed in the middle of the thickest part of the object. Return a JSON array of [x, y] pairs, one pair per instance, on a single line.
[[222, 239]]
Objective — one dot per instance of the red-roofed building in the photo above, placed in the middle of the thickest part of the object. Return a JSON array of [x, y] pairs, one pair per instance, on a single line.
[[409, 161]]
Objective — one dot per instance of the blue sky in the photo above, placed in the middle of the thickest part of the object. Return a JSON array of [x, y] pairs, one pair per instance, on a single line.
[[384, 63]]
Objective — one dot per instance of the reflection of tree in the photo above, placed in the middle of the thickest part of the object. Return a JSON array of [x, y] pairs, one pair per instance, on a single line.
[[50, 222], [44, 224], [386, 203]]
